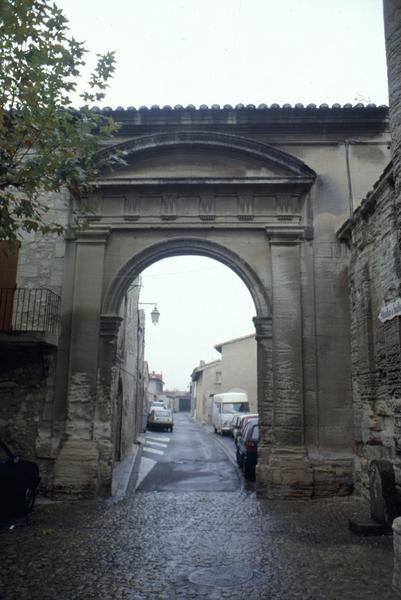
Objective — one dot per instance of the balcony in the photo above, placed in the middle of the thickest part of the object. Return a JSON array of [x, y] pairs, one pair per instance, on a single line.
[[29, 316]]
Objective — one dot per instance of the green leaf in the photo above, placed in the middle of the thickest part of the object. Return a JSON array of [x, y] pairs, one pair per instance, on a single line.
[[44, 144]]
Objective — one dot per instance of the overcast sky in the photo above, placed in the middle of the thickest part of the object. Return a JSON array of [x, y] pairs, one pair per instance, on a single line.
[[226, 52]]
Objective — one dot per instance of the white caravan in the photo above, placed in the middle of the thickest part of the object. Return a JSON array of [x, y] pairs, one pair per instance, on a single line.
[[225, 406]]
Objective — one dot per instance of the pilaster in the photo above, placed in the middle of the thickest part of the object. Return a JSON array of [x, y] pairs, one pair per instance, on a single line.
[[107, 384], [77, 466], [283, 469], [288, 417]]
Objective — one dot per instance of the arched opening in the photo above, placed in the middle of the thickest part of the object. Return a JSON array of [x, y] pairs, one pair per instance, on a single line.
[[202, 304], [121, 280], [242, 378]]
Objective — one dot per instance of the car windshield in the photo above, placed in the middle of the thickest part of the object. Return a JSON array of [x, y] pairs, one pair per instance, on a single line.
[[235, 407], [162, 413]]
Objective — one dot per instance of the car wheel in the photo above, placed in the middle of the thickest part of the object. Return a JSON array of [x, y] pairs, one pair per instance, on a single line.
[[27, 501], [248, 470]]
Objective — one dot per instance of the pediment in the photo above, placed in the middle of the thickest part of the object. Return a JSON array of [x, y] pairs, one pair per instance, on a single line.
[[204, 155]]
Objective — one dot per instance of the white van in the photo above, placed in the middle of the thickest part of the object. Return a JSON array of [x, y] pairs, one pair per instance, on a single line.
[[225, 406]]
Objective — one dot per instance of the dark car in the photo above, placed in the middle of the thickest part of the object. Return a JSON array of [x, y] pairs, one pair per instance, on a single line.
[[19, 480], [243, 420], [247, 449]]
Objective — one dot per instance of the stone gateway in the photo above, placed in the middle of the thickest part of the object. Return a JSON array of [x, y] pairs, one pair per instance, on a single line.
[[262, 190]]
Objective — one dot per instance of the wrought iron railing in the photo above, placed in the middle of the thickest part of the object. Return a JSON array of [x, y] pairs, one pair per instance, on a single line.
[[29, 310]]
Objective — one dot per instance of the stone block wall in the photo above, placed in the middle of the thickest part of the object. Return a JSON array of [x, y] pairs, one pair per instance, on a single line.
[[28, 366], [41, 258], [375, 283]]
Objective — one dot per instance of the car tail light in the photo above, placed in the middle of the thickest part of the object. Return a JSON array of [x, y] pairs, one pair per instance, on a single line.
[[250, 444]]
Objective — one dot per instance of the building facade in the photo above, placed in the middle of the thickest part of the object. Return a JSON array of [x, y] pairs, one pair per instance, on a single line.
[[206, 382], [239, 367], [178, 401]]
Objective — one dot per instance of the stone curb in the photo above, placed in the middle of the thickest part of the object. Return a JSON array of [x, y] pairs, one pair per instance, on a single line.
[[124, 471]]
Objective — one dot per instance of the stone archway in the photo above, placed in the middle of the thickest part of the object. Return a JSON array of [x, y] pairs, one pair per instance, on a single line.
[[110, 322], [247, 205]]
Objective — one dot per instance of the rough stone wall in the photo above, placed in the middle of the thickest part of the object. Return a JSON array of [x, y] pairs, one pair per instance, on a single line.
[[392, 26], [28, 369], [375, 281], [26, 417]]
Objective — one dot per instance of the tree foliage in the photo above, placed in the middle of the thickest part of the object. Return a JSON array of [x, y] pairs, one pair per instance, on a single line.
[[45, 144]]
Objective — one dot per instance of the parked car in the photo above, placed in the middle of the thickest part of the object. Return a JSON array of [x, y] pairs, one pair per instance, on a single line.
[[235, 421], [19, 480], [157, 404], [160, 418], [247, 449], [243, 420]]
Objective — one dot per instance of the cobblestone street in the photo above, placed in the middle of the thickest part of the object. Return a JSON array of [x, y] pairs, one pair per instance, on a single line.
[[193, 544]]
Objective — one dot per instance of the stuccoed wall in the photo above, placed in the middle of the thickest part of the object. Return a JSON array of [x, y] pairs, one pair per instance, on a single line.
[[375, 281], [239, 367], [205, 385]]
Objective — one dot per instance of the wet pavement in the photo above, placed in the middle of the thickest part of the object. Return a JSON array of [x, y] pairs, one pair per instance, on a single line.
[[187, 460], [179, 538]]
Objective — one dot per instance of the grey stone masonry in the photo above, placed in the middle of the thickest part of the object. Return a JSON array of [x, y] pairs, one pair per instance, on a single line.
[[374, 276]]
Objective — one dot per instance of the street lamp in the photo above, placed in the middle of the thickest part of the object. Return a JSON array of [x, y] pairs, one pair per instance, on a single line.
[[155, 314]]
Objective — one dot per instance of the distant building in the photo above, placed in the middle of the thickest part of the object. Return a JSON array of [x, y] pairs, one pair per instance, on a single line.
[[128, 369], [179, 401], [155, 386], [206, 381], [239, 367]]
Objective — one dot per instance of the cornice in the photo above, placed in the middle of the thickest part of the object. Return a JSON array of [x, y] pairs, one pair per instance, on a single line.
[[261, 119], [93, 236]]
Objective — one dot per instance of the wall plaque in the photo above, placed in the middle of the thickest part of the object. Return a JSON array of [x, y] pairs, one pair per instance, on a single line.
[[390, 310]]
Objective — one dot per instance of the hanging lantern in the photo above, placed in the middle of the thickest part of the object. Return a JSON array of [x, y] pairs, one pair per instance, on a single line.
[[155, 315]]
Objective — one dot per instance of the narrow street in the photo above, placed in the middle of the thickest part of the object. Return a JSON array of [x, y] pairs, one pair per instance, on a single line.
[[187, 460], [189, 527]]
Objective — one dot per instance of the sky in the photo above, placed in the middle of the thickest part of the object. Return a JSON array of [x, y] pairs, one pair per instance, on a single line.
[[201, 303], [225, 52], [236, 51]]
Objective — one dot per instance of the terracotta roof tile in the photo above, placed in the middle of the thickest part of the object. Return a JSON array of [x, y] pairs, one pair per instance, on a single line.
[[251, 107]]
